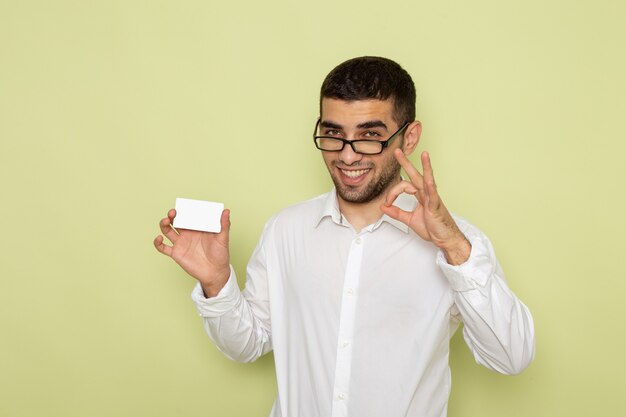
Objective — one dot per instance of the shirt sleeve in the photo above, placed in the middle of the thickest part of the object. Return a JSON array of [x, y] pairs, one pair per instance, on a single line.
[[498, 327], [237, 321]]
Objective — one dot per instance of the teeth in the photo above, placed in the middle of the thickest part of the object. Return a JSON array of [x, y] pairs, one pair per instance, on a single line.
[[354, 174]]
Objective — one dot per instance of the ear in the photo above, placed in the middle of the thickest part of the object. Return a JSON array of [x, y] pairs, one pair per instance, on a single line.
[[412, 137]]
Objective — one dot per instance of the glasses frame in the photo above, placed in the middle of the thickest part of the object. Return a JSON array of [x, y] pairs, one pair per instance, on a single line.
[[384, 144]]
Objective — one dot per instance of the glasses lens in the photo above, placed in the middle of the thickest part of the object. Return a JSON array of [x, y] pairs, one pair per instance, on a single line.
[[368, 146], [329, 144]]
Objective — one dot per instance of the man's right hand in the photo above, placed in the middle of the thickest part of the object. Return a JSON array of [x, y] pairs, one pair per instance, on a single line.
[[203, 255]]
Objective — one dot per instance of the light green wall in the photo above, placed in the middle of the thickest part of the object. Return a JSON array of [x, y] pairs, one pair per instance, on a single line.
[[110, 110]]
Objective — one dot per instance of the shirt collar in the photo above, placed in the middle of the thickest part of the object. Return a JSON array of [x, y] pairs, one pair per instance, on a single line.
[[330, 208]]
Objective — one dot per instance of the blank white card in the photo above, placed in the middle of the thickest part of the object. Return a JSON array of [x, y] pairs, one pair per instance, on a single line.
[[198, 215]]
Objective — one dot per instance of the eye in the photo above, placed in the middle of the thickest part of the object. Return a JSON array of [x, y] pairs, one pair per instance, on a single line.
[[331, 132], [371, 134]]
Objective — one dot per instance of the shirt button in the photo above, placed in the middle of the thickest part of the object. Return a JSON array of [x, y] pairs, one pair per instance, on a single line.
[[350, 291], [358, 241], [345, 344], [341, 396]]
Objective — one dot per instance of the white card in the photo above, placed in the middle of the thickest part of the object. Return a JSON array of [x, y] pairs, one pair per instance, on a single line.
[[198, 215]]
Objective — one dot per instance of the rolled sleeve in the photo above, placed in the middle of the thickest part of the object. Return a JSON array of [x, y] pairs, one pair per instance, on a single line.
[[226, 300], [473, 273], [498, 327]]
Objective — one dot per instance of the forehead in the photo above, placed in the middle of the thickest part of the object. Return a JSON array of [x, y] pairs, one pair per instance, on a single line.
[[351, 113]]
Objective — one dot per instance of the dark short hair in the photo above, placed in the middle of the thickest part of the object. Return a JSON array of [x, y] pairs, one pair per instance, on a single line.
[[371, 77]]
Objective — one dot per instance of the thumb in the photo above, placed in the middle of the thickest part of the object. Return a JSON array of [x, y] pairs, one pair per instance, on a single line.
[[225, 223]]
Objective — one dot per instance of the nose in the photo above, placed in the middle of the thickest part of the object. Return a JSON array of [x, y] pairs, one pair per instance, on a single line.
[[348, 156]]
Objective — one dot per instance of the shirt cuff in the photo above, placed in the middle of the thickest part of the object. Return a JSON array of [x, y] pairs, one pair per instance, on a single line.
[[224, 301], [475, 272]]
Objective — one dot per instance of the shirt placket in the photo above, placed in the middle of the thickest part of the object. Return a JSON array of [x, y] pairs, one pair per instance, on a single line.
[[341, 386]]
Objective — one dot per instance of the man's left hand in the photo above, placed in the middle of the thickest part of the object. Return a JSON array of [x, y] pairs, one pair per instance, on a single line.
[[430, 219]]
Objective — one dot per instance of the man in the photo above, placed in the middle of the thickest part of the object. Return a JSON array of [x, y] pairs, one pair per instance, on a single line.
[[359, 291]]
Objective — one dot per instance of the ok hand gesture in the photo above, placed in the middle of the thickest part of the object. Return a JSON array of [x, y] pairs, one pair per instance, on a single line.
[[430, 219], [203, 255]]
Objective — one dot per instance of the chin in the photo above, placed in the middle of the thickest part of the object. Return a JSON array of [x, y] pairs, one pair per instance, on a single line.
[[356, 195]]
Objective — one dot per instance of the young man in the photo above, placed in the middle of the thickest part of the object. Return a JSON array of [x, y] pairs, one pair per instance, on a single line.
[[359, 291]]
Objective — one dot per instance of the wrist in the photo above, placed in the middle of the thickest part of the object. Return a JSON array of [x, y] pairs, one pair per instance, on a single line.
[[457, 251], [212, 288]]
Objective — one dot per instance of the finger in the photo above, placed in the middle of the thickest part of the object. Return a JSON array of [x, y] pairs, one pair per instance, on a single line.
[[429, 177], [397, 213], [430, 186], [166, 228], [161, 246], [414, 175], [171, 214], [399, 188]]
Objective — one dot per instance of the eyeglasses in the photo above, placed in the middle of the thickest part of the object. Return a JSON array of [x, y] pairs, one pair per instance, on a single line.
[[362, 146]]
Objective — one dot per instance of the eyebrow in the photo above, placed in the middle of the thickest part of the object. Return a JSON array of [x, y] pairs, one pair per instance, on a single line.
[[372, 123], [365, 125], [330, 125]]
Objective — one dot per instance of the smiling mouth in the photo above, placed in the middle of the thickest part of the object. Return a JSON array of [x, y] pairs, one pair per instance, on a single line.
[[354, 173]]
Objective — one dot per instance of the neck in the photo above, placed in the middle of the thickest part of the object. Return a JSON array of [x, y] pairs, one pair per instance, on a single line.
[[361, 215]]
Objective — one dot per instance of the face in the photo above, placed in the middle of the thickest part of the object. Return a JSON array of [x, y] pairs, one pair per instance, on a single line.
[[360, 178]]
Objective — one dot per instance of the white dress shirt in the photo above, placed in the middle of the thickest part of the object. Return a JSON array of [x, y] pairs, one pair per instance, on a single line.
[[360, 323]]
